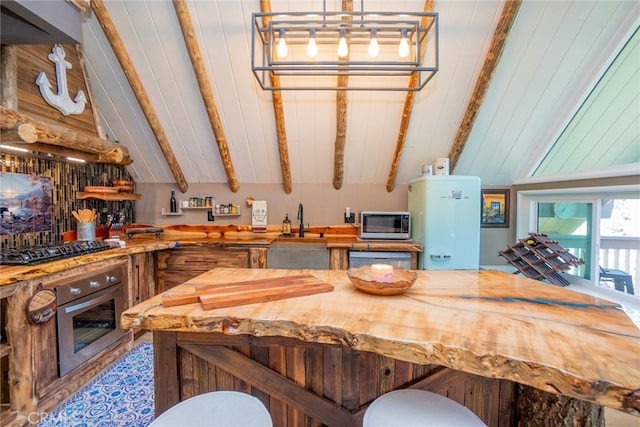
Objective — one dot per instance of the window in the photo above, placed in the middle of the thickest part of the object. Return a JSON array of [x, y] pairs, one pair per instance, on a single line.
[[570, 224], [599, 225]]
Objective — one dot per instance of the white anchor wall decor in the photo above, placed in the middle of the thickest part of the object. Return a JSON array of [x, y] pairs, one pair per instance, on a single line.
[[60, 101]]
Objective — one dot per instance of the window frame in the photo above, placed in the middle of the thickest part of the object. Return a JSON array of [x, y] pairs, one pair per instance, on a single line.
[[526, 222]]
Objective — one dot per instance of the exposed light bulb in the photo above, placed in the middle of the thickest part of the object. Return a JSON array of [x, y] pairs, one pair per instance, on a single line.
[[403, 49], [9, 147], [374, 49], [312, 47], [75, 159], [282, 45], [343, 49]]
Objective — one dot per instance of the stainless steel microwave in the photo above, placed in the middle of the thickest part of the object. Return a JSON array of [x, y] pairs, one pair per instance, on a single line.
[[385, 225]]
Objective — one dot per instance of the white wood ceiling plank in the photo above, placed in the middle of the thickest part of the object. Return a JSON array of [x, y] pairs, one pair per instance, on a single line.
[[171, 86], [226, 59], [530, 98], [503, 90], [539, 121], [119, 109], [631, 151], [611, 21], [597, 136], [589, 127], [534, 70], [440, 112]]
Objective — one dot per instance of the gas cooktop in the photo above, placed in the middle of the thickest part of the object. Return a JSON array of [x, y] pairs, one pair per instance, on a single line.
[[50, 252]]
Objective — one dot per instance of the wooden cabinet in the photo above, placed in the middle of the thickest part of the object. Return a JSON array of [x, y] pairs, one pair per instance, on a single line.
[[176, 266], [31, 386], [141, 271], [8, 415]]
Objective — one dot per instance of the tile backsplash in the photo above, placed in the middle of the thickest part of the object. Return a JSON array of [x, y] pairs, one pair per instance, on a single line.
[[67, 179]]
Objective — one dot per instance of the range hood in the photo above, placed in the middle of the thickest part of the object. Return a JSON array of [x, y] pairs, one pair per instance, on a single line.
[[40, 22]]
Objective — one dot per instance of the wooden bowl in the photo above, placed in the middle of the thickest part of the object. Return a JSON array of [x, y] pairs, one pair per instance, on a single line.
[[401, 281]]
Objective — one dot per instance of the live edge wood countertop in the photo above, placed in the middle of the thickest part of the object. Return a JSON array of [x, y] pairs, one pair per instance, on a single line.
[[334, 237], [487, 323]]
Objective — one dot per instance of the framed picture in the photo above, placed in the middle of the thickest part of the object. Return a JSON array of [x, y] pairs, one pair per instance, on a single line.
[[495, 208]]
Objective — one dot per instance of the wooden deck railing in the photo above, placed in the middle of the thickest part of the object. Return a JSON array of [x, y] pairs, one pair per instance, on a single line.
[[622, 253]]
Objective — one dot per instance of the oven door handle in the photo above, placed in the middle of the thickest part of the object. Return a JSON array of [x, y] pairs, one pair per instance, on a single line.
[[93, 299]]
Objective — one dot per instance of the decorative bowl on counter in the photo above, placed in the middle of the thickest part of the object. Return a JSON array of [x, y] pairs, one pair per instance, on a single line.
[[399, 282]]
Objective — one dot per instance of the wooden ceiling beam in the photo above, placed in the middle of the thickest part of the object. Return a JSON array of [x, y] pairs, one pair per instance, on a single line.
[[46, 149], [138, 89], [406, 110], [341, 118], [508, 17], [278, 110], [18, 127], [190, 40]]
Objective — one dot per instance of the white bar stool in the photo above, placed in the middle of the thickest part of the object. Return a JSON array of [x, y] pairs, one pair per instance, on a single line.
[[410, 407], [216, 408]]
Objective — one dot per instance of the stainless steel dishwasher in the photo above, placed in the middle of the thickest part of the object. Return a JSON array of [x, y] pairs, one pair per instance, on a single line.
[[396, 259]]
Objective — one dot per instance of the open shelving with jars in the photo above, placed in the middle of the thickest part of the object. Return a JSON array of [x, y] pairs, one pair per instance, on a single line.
[[181, 210]]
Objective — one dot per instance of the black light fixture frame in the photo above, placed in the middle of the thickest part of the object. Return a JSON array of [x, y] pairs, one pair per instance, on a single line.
[[422, 34]]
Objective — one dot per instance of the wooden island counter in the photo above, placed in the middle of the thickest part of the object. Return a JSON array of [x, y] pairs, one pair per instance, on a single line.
[[509, 348]]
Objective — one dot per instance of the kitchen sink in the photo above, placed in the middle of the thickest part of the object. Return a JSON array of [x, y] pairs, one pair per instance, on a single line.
[[296, 254]]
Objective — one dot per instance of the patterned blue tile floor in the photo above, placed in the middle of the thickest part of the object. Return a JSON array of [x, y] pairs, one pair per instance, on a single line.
[[120, 396]]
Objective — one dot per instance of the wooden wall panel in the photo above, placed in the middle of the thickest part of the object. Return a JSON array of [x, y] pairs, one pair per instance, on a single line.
[[349, 380], [33, 59]]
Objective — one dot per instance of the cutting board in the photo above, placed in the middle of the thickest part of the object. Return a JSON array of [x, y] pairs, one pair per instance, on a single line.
[[232, 294]]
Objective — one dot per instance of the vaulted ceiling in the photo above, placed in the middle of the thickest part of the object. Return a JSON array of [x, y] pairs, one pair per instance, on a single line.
[[555, 53]]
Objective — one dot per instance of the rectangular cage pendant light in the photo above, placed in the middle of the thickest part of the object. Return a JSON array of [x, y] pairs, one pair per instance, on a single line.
[[378, 51]]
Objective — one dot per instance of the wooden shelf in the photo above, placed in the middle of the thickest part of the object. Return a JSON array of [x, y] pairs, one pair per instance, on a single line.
[[167, 213], [181, 211], [108, 196], [210, 208]]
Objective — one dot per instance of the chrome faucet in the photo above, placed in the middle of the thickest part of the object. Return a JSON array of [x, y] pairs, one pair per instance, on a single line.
[[301, 218]]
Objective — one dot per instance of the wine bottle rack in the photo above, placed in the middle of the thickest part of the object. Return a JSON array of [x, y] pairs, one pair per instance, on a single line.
[[540, 258]]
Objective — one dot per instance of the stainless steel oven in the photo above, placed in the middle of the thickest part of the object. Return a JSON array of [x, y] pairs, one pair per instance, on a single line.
[[88, 315]]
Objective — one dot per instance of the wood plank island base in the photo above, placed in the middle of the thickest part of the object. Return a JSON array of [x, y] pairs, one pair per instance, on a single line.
[[512, 349]]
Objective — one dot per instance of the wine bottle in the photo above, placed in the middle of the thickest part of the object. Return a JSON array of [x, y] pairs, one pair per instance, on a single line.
[[173, 205]]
